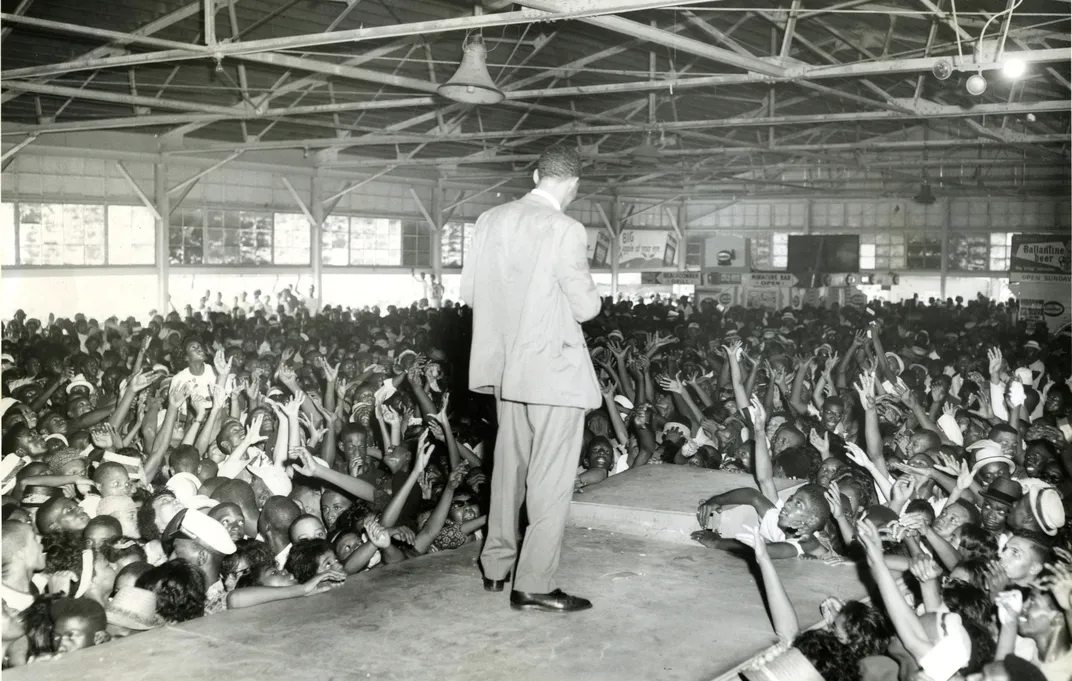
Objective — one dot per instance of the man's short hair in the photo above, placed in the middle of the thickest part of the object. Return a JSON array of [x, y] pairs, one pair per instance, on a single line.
[[560, 162], [82, 608]]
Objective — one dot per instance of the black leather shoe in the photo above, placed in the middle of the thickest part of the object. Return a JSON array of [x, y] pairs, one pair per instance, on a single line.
[[495, 584], [556, 601]]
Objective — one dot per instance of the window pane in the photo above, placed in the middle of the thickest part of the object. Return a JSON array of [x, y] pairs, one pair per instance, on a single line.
[[62, 234], [7, 234], [451, 244], [335, 240], [375, 241], [131, 236], [291, 240], [923, 252], [968, 252]]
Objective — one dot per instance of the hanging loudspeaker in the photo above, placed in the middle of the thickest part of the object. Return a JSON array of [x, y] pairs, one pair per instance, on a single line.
[[471, 83]]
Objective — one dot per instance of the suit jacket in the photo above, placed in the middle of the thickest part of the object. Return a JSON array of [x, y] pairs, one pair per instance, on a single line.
[[526, 278]]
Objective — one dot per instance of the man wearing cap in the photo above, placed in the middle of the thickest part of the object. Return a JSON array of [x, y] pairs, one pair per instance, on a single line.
[[528, 283], [203, 542], [132, 610]]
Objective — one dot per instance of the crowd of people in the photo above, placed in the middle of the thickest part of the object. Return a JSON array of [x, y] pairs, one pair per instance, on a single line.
[[237, 454]]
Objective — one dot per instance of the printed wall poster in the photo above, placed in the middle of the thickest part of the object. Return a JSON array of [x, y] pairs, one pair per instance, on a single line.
[[598, 247], [642, 249], [670, 254], [726, 253], [1049, 253]]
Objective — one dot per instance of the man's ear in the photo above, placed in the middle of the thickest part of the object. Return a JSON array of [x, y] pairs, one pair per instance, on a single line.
[[536, 176], [202, 557]]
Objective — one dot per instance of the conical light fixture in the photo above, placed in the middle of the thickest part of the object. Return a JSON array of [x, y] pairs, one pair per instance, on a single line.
[[471, 83]]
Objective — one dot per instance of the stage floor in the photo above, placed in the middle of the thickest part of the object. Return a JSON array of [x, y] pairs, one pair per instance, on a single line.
[[666, 611]]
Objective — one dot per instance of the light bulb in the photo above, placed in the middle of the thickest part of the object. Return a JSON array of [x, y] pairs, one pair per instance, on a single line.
[[976, 84], [1013, 68]]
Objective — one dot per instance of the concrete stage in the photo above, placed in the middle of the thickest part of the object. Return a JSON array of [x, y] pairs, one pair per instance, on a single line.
[[662, 610]]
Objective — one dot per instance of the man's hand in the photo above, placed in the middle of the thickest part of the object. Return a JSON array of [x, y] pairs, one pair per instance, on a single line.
[[925, 569], [994, 363], [867, 534], [833, 498], [178, 395], [759, 416], [376, 533], [708, 538], [671, 385], [293, 405], [253, 434], [142, 381], [330, 372], [221, 363], [402, 534], [324, 581], [304, 462], [820, 442], [705, 511], [1059, 581]]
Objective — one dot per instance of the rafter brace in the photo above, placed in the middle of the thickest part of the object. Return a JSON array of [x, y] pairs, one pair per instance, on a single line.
[[433, 228], [201, 173], [302, 205], [137, 190]]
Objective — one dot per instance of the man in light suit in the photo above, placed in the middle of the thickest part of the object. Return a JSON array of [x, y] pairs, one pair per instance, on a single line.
[[526, 278]]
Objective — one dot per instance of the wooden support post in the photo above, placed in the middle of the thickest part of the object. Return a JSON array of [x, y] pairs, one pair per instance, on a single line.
[[615, 243], [316, 245], [163, 254]]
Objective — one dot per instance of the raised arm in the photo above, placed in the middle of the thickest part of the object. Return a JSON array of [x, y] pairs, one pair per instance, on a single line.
[[761, 462]]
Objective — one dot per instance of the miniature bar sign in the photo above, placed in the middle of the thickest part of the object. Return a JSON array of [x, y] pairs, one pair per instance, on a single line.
[[771, 280]]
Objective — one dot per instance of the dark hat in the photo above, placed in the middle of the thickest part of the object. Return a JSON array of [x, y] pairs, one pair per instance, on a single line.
[[1004, 490]]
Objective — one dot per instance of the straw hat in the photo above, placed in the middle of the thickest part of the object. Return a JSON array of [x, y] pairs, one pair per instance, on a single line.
[[134, 608], [1047, 508]]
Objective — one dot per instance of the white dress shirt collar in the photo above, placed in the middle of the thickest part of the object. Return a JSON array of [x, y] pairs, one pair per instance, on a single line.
[[554, 202]]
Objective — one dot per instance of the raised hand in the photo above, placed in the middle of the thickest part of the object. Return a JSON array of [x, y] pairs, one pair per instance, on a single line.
[[820, 442], [914, 470], [436, 429], [868, 535], [857, 455], [402, 534], [759, 415], [200, 406], [457, 477], [965, 477], [949, 409], [996, 578], [672, 385], [733, 350], [293, 405], [303, 461], [994, 362], [286, 374], [253, 434], [376, 533], [830, 364], [859, 338], [178, 394], [142, 381], [1059, 581], [330, 372], [221, 363], [925, 569], [833, 498], [287, 354], [424, 453]]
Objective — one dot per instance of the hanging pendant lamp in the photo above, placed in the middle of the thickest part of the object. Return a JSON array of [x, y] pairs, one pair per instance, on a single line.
[[471, 83]]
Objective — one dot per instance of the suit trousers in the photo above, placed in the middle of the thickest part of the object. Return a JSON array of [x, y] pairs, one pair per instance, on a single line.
[[536, 455]]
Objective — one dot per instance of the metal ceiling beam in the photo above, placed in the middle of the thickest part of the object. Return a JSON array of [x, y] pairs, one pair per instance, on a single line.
[[114, 97], [658, 36], [566, 9], [19, 11], [924, 112], [339, 71], [150, 28], [717, 151]]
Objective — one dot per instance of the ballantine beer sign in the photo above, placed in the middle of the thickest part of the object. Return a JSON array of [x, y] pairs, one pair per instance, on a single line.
[[1049, 253]]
